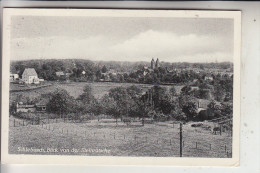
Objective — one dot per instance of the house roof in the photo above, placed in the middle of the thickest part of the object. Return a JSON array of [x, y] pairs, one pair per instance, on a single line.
[[30, 72], [206, 102]]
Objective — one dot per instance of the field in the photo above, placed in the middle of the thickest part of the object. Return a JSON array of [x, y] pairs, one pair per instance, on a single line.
[[76, 88], [105, 138]]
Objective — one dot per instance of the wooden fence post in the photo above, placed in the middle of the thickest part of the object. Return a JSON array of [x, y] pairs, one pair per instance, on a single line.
[[196, 145], [14, 122], [210, 146], [180, 139]]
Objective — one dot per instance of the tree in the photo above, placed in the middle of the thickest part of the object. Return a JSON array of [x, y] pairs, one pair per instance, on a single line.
[[104, 69], [87, 96], [186, 90], [213, 110], [110, 107], [190, 109], [173, 91], [60, 102]]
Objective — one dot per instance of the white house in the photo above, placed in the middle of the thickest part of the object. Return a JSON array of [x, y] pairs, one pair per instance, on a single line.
[[208, 77], [14, 77], [30, 76]]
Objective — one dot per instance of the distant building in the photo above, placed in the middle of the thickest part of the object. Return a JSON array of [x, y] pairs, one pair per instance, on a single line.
[[60, 73], [152, 64], [208, 77], [193, 88], [14, 77], [38, 107], [20, 107], [30, 76], [157, 64]]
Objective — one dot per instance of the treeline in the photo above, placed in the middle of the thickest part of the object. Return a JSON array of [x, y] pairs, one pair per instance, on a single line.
[[131, 72], [157, 103]]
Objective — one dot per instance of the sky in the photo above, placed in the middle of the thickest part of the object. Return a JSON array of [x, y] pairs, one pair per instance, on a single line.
[[122, 39]]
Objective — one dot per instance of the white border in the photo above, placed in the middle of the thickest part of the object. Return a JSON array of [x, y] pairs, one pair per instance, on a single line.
[[111, 160]]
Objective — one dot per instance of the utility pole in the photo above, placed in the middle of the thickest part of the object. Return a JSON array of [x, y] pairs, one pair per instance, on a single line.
[[180, 139]]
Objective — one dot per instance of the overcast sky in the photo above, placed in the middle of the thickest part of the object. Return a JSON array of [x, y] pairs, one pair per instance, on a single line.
[[122, 39]]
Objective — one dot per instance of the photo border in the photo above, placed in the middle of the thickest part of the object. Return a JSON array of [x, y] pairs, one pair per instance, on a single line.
[[115, 160]]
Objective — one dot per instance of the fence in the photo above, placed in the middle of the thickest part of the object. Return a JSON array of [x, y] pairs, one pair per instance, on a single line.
[[182, 142]]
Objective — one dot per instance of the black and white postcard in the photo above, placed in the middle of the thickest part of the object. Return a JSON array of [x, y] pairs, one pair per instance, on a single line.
[[121, 87]]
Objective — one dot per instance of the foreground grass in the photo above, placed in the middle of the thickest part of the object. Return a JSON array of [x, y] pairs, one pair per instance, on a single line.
[[157, 140]]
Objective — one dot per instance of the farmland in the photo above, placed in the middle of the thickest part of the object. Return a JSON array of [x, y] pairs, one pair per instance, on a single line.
[[156, 140], [76, 88]]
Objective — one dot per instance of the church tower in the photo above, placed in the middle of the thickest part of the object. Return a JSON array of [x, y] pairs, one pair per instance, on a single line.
[[157, 64], [152, 64]]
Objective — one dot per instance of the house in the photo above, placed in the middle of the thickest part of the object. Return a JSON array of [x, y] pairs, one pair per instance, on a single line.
[[194, 88], [30, 76], [59, 73], [208, 77], [38, 107], [14, 77], [20, 107], [202, 104]]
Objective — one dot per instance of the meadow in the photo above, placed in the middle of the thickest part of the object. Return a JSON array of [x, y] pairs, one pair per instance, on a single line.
[[76, 88], [95, 137]]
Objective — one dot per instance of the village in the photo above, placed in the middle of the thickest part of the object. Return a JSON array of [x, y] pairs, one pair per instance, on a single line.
[[142, 96], [199, 83]]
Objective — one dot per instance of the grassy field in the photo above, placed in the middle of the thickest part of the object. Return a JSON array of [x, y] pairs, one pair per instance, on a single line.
[[76, 88], [106, 138]]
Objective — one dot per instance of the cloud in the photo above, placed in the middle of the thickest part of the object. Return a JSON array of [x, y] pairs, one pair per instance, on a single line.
[[164, 44], [143, 46]]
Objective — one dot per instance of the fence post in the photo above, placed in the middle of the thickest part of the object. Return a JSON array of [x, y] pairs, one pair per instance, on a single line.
[[210, 146], [48, 119], [14, 122], [196, 145], [170, 142], [183, 143], [220, 129], [85, 134], [124, 136], [180, 139], [67, 132], [114, 136], [23, 122], [145, 138], [225, 148]]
